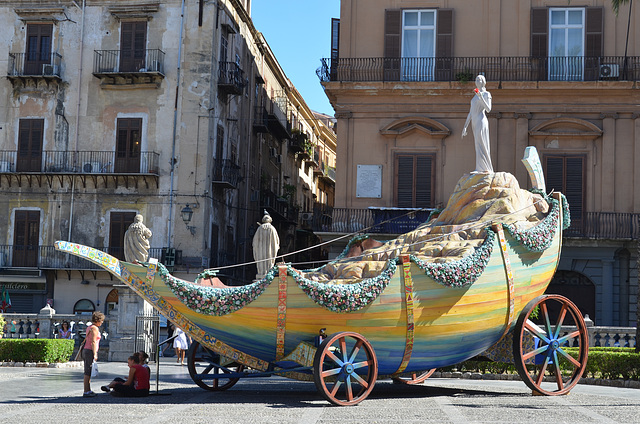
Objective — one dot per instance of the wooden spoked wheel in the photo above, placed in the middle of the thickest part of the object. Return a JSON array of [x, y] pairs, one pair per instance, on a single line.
[[210, 370], [413, 378], [539, 345], [345, 368]]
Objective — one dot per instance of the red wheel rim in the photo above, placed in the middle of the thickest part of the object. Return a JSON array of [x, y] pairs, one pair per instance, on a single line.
[[345, 368], [413, 378], [200, 363], [538, 348]]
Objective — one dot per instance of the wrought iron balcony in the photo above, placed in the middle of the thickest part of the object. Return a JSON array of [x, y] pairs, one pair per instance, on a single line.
[[260, 120], [33, 65], [328, 173], [47, 257], [129, 66], [225, 173], [298, 142], [371, 220], [277, 114], [231, 78], [605, 225], [498, 69], [84, 162]]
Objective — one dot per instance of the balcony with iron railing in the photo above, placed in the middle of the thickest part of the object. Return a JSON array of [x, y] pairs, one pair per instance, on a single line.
[[277, 117], [225, 173], [83, 162], [389, 220], [328, 173], [47, 257], [34, 65], [261, 120], [231, 78], [496, 69], [129, 66]]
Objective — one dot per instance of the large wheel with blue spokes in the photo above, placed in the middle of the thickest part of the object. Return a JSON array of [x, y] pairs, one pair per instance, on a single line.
[[545, 328], [345, 368], [210, 370]]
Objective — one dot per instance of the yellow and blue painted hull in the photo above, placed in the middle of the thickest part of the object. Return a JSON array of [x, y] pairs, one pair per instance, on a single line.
[[449, 324]]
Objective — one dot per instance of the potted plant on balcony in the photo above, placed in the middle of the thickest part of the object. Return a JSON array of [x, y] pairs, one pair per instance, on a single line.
[[464, 76]]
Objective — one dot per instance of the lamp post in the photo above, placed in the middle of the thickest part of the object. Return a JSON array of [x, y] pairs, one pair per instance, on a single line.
[[187, 214]]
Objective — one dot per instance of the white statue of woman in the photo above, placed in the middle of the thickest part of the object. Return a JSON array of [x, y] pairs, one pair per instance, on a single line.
[[480, 105], [136, 241], [266, 244]]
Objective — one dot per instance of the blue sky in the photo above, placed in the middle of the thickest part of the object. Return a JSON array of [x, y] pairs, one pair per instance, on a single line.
[[299, 33]]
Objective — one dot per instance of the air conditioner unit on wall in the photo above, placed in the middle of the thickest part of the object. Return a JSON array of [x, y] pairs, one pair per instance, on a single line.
[[48, 69], [609, 70], [306, 216], [91, 167]]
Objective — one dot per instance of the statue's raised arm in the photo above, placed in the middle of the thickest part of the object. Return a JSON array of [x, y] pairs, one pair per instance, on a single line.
[[480, 105]]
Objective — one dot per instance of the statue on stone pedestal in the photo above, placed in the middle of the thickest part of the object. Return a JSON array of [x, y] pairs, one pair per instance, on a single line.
[[136, 241], [265, 246], [480, 105]]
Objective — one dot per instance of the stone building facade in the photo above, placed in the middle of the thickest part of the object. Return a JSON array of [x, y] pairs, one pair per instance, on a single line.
[[175, 110], [564, 78]]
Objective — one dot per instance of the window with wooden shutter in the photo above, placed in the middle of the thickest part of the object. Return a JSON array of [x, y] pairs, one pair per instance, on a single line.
[[30, 134], [38, 48], [444, 45], [335, 47], [566, 174], [133, 42], [593, 42], [414, 180], [392, 44], [26, 238], [128, 145], [119, 224]]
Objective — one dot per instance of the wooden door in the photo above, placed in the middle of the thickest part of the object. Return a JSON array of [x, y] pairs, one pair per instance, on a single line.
[[26, 239], [133, 42], [30, 133], [129, 136], [118, 224], [38, 48]]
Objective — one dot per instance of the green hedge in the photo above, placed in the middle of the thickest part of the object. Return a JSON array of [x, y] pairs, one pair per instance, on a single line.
[[36, 350], [608, 363], [611, 362]]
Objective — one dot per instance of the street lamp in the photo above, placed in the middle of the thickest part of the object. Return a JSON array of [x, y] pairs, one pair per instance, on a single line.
[[187, 214]]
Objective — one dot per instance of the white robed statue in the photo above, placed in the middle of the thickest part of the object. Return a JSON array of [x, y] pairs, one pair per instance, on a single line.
[[480, 105], [136, 241], [266, 244]]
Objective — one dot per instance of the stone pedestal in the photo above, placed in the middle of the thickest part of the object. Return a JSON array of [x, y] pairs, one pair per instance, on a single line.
[[122, 341], [44, 318]]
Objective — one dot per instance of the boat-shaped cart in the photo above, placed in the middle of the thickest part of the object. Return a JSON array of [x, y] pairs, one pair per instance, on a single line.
[[410, 319]]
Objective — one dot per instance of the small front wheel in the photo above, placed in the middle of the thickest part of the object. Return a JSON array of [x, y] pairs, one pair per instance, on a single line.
[[345, 368], [210, 370], [413, 378], [539, 345]]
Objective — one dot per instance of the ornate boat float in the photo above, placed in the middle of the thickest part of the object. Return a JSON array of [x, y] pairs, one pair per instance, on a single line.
[[466, 282]]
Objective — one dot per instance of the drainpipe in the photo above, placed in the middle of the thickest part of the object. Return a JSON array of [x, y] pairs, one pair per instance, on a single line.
[[77, 129], [175, 126]]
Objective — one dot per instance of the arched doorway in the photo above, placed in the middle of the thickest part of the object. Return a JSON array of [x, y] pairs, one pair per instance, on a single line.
[[576, 287], [111, 301]]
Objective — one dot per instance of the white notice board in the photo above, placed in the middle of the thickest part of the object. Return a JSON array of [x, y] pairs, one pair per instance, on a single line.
[[369, 181]]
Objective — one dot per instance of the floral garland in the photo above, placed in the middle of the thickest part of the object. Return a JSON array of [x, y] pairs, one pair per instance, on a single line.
[[345, 297], [464, 271], [566, 215], [539, 237], [215, 301]]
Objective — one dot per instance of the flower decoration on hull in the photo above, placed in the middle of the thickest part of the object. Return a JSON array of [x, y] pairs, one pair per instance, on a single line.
[[215, 301], [345, 297], [461, 272]]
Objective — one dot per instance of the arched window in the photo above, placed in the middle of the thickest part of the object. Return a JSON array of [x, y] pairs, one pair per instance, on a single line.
[[112, 300], [83, 305]]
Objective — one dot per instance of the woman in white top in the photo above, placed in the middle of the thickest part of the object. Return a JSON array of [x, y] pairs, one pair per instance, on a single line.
[[180, 344]]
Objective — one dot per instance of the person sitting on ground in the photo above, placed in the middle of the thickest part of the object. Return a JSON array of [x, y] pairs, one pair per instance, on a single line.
[[137, 384]]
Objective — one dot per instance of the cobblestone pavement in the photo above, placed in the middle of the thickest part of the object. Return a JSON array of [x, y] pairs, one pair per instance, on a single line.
[[29, 395]]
